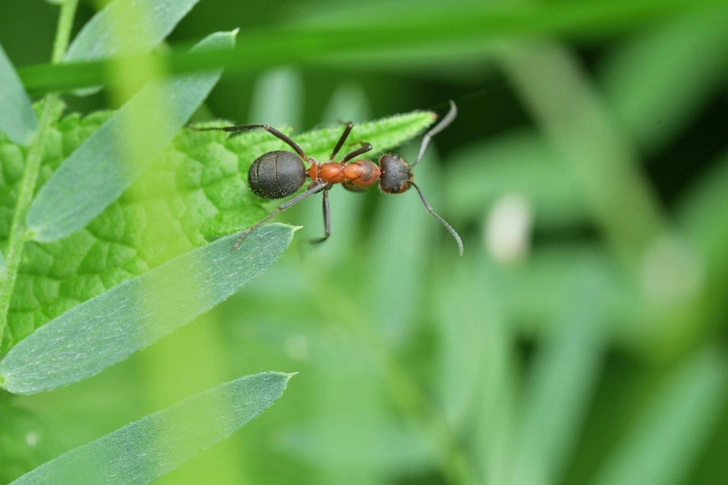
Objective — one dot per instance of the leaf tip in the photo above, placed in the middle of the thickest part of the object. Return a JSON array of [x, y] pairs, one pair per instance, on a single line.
[[235, 31]]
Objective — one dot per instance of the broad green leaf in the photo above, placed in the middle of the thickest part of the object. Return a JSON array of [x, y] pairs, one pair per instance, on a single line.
[[151, 447], [126, 26], [99, 171], [199, 182], [663, 444], [133, 315], [17, 119]]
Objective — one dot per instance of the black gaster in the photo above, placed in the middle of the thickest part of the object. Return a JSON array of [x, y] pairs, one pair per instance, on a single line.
[[276, 174]]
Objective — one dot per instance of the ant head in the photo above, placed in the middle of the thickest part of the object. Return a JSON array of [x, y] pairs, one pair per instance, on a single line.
[[396, 176]]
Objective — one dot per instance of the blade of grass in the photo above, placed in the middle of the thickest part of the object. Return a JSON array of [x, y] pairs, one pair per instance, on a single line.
[[664, 442], [107, 329], [277, 98], [563, 377], [17, 119], [657, 84], [101, 169], [576, 121], [478, 23], [133, 454]]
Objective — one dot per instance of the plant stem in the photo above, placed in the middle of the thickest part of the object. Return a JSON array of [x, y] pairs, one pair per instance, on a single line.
[[63, 31], [18, 233]]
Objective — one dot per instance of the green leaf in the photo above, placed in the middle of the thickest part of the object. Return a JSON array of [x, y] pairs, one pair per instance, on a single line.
[[199, 183], [17, 119], [99, 171], [667, 437], [133, 315], [126, 26], [151, 447]]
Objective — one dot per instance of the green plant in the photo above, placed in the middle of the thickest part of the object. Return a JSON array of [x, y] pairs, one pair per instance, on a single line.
[[589, 353], [107, 244]]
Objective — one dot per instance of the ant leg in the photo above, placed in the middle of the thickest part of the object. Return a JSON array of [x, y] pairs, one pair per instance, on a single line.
[[312, 190], [327, 219], [367, 147], [341, 141], [239, 128]]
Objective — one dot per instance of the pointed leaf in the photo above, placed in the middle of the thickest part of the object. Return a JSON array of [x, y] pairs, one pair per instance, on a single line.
[[147, 449], [126, 26], [17, 119], [133, 315]]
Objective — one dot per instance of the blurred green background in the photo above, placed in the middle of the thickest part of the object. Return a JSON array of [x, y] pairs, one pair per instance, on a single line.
[[579, 340]]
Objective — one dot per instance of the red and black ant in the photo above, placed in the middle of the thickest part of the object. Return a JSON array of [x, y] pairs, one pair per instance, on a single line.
[[280, 173]]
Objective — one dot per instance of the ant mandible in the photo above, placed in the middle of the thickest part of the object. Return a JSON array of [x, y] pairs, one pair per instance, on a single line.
[[280, 173]]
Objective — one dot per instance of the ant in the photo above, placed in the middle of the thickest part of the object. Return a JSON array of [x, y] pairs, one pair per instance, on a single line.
[[280, 173]]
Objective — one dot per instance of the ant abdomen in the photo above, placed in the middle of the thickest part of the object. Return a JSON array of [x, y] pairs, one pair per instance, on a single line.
[[276, 174]]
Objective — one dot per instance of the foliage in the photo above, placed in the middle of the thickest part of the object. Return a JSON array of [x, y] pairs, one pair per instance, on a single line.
[[576, 341]]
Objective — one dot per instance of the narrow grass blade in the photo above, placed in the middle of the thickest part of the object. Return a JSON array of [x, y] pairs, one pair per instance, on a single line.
[[702, 217], [17, 119], [667, 438], [564, 376], [277, 99], [133, 315], [656, 84], [577, 124], [102, 168], [391, 28], [147, 449], [126, 26]]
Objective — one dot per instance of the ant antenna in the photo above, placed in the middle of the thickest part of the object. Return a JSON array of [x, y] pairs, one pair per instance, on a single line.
[[437, 129], [444, 223]]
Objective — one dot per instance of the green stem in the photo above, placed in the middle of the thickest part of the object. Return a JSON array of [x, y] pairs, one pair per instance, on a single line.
[[18, 233], [63, 32]]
